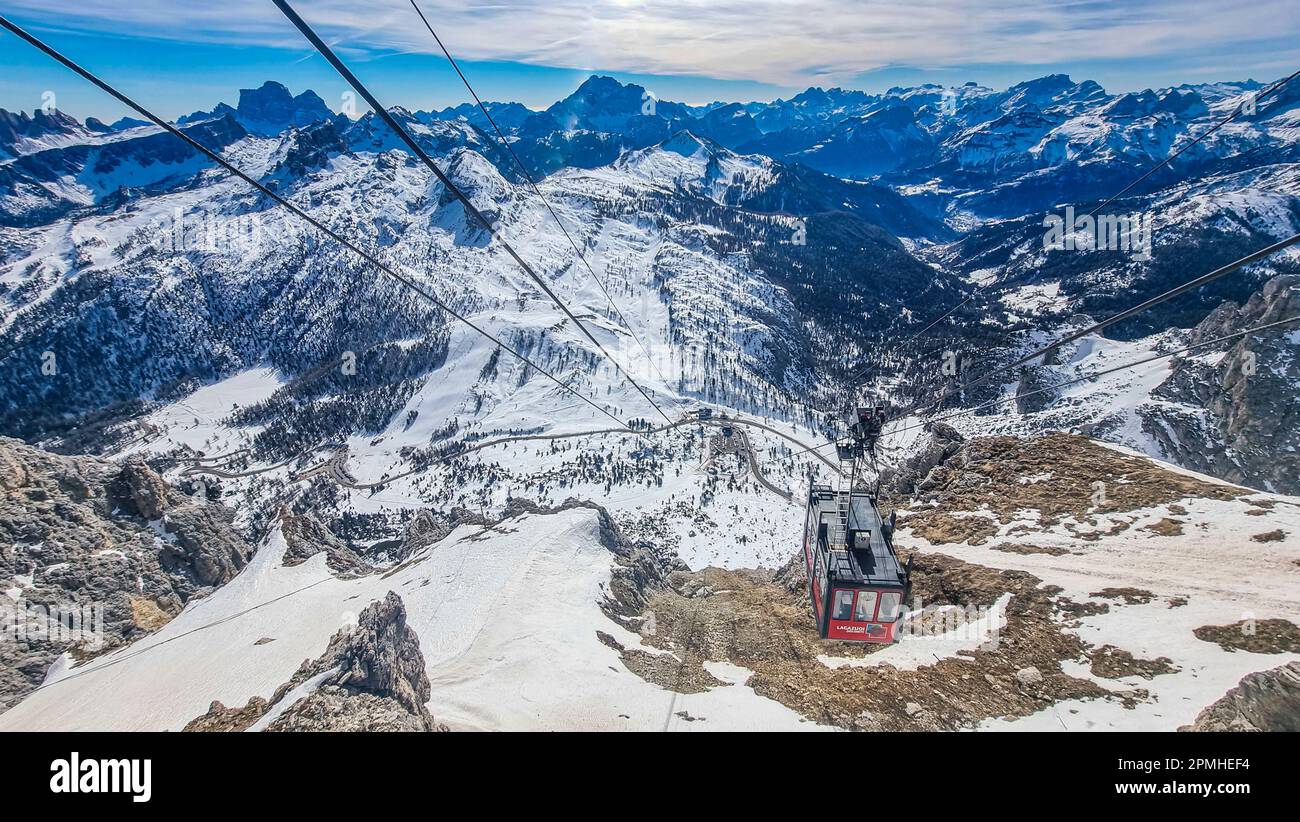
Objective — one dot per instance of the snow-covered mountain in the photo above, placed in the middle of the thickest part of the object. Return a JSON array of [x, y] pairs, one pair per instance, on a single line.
[[22, 133], [753, 259], [789, 278], [269, 110], [1037, 607]]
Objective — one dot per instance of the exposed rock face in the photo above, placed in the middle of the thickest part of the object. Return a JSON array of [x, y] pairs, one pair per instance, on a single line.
[[1249, 431], [310, 148], [429, 526], [332, 708], [1263, 701], [381, 656], [1034, 389], [144, 488], [109, 541], [205, 547], [306, 537], [943, 442], [424, 529], [373, 680]]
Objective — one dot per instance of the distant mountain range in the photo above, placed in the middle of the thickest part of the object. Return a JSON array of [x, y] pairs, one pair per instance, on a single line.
[[792, 246]]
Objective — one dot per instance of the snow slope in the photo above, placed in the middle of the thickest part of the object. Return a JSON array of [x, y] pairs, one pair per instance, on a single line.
[[507, 620]]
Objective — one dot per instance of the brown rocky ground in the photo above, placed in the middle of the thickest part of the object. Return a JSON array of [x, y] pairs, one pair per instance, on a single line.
[[988, 478], [1110, 662], [1128, 596], [1022, 548], [1264, 636], [759, 621]]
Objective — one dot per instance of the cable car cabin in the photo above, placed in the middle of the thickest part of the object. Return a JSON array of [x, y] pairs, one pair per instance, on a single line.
[[857, 586]]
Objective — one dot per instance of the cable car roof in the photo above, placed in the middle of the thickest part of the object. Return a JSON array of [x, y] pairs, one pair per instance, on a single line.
[[872, 564]]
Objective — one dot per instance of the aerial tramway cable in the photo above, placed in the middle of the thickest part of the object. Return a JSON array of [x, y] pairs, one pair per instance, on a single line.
[[1095, 374], [469, 206], [1190, 285], [1241, 108], [1083, 378], [532, 183], [298, 212]]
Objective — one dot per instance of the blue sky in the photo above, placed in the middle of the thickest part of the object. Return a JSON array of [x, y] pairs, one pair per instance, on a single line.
[[178, 56]]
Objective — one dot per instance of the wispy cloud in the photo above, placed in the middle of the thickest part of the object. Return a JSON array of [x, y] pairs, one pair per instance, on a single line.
[[772, 41]]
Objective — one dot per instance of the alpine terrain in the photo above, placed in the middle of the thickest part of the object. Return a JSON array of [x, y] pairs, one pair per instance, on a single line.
[[255, 479]]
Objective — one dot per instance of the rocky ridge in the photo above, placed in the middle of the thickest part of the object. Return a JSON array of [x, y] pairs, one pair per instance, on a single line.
[[371, 678], [97, 536]]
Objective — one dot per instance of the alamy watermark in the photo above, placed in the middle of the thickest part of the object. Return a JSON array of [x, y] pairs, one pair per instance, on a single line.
[[72, 622], [1099, 232], [979, 625], [209, 233]]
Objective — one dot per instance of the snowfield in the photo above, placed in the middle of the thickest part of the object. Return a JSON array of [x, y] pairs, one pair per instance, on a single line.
[[507, 620]]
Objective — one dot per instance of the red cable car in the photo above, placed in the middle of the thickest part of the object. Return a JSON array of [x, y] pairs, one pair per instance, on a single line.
[[857, 585]]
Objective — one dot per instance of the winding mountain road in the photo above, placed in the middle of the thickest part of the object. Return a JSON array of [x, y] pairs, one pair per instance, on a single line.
[[336, 466]]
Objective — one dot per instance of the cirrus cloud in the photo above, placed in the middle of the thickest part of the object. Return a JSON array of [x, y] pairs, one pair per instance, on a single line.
[[782, 42]]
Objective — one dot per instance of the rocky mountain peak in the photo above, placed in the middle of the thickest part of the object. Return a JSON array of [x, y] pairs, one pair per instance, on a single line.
[[382, 656], [1248, 393], [19, 126], [600, 96], [270, 108], [371, 677]]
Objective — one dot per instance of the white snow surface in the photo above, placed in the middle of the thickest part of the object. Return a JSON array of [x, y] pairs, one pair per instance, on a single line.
[[507, 620]]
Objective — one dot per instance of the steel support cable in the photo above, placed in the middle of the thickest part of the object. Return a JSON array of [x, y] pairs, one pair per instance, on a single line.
[[295, 210], [532, 183], [1085, 377], [1220, 124], [1190, 285], [1095, 374], [447, 182], [1123, 315]]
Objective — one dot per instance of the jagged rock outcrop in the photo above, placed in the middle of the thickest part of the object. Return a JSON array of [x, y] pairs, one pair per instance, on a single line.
[[1263, 701], [429, 526], [942, 441], [424, 529], [380, 656], [310, 148], [640, 566], [305, 536], [145, 489], [1235, 416], [1034, 389], [371, 678], [112, 544]]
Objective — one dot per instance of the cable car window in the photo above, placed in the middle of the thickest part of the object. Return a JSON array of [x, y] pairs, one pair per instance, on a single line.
[[866, 606], [843, 604], [889, 606]]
